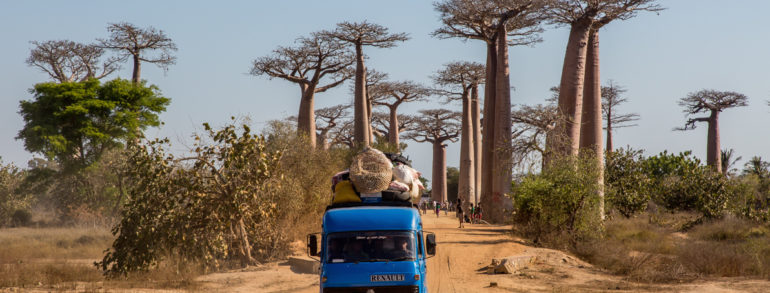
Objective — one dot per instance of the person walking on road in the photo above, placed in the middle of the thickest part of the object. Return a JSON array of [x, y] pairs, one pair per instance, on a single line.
[[460, 212], [438, 208]]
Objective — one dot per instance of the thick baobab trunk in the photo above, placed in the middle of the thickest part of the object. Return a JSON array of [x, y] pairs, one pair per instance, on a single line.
[[713, 151], [501, 180], [591, 128], [306, 116], [487, 143], [393, 127], [476, 117], [438, 188], [566, 139], [466, 187], [361, 128], [135, 77]]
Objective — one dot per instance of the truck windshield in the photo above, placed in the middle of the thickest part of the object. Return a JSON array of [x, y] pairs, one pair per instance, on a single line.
[[370, 246]]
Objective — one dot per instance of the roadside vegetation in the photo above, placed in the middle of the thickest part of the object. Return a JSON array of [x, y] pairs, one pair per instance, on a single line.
[[670, 218]]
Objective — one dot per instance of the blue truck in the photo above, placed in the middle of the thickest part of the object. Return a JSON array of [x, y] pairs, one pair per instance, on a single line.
[[370, 248]]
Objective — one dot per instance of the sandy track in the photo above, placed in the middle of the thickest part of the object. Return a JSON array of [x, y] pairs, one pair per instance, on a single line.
[[459, 266]]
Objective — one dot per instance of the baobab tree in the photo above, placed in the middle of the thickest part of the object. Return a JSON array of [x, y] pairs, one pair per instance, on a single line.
[[712, 102], [133, 42], [611, 98], [459, 81], [381, 123], [330, 118], [436, 127], [391, 95], [585, 18], [360, 34], [68, 61], [315, 58], [494, 22], [580, 79]]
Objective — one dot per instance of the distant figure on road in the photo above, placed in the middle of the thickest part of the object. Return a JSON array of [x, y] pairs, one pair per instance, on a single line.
[[424, 208], [438, 208], [460, 211], [478, 213]]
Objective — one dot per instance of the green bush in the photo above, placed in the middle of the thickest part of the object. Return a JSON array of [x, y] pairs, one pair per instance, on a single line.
[[681, 182], [626, 183], [12, 198], [563, 200], [750, 197]]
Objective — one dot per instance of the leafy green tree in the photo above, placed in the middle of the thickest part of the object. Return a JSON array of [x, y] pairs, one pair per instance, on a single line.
[[75, 123], [627, 183]]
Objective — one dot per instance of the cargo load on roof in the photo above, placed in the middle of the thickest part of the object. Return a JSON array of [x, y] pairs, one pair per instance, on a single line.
[[375, 177]]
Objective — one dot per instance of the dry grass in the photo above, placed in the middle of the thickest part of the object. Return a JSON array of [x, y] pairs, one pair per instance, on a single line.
[[62, 259], [651, 249]]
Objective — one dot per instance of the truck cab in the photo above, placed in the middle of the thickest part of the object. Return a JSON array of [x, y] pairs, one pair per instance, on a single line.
[[372, 248]]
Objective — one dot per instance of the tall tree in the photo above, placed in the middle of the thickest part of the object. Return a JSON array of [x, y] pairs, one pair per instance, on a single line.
[[361, 34], [585, 18], [68, 61], [458, 81], [581, 126], [306, 65], [493, 22], [75, 123], [476, 122], [392, 95], [330, 118], [436, 127], [712, 102], [134, 42], [611, 98]]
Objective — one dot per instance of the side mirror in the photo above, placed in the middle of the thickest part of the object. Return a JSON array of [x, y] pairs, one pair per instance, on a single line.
[[430, 243], [312, 244]]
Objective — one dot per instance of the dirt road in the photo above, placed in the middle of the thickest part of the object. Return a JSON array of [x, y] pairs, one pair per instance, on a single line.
[[459, 266]]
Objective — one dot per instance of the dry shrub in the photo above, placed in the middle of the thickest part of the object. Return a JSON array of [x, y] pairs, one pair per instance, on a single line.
[[729, 247], [636, 249], [652, 250], [60, 255]]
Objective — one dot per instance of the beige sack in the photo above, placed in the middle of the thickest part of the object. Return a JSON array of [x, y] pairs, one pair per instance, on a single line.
[[371, 171]]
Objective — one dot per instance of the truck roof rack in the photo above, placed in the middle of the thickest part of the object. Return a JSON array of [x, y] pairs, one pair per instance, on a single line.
[[377, 204]]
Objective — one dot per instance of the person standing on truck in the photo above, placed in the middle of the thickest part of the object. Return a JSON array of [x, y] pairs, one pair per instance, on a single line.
[[460, 211]]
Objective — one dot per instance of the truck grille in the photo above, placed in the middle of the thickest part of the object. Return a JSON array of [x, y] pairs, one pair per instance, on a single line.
[[383, 289]]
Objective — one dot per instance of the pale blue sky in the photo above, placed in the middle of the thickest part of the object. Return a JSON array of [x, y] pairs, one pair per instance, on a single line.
[[694, 44]]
